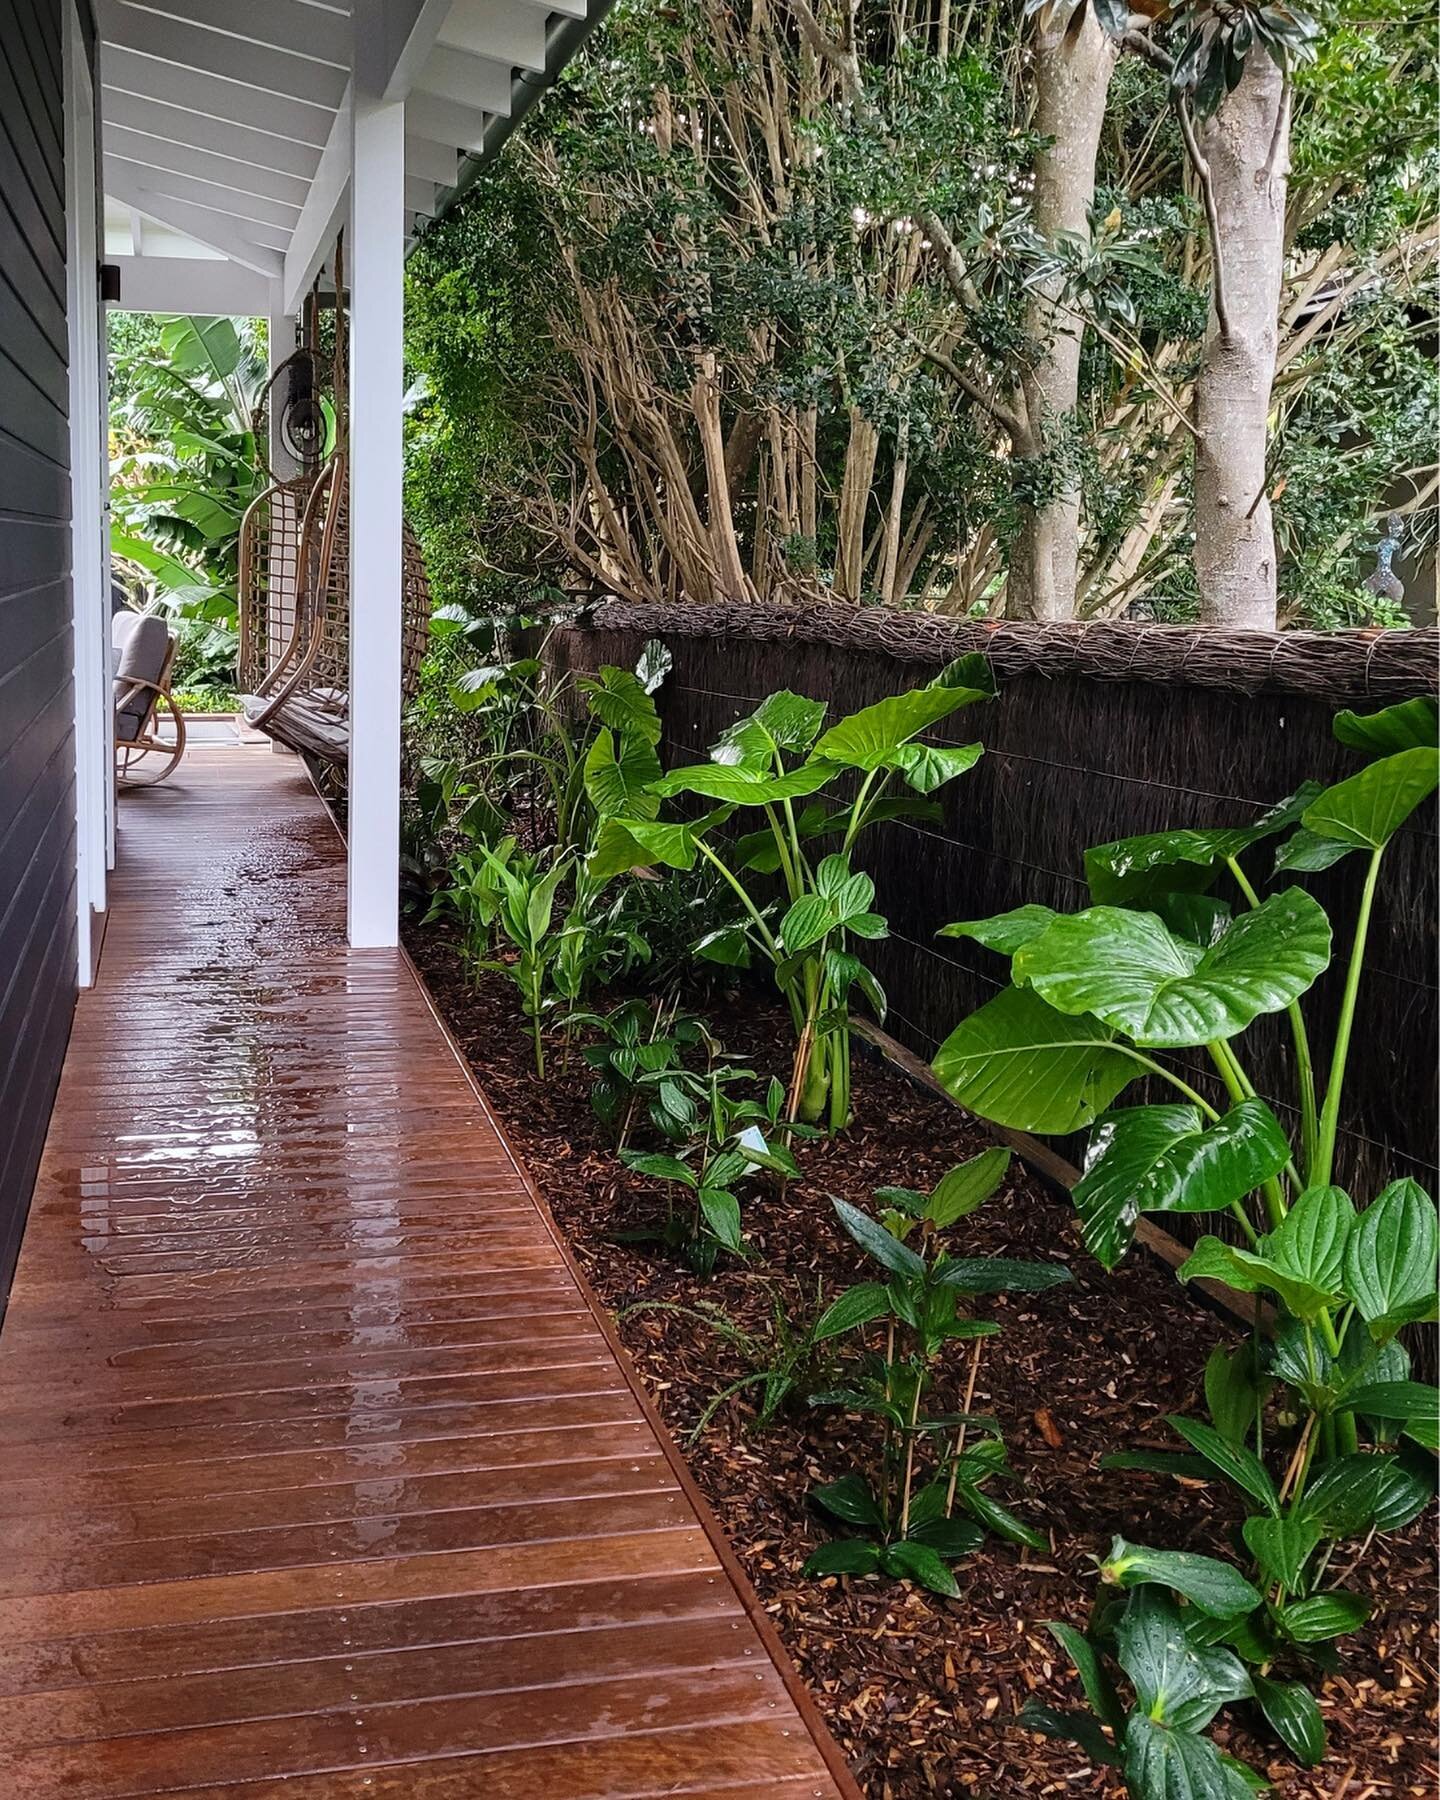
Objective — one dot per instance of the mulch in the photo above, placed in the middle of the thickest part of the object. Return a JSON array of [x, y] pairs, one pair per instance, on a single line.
[[921, 1690]]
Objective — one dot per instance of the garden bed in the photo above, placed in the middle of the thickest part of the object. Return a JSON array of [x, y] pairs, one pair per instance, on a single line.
[[919, 1689]]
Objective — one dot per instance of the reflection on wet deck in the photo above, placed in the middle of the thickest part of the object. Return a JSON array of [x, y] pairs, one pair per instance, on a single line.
[[319, 1474]]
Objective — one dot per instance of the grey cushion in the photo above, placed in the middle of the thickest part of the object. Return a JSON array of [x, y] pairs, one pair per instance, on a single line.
[[142, 642]]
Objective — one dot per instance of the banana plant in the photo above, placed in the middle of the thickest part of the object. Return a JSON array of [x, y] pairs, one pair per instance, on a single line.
[[1158, 1642], [764, 764], [184, 468], [923, 1504], [1161, 963]]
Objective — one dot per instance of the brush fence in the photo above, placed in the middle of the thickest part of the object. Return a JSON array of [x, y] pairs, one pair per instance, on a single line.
[[1099, 732]]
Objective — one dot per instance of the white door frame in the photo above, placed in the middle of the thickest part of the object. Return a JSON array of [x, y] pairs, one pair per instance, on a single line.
[[89, 495]]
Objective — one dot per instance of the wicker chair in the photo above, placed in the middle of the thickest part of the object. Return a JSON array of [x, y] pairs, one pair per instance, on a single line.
[[294, 663], [144, 656]]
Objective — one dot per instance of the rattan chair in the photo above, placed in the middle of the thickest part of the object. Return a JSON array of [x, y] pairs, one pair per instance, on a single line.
[[144, 657], [294, 662]]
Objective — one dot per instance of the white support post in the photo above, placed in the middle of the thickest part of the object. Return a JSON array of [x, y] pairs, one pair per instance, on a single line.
[[89, 479], [376, 264]]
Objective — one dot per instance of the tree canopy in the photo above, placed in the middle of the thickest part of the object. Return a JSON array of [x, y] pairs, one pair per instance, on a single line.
[[754, 306]]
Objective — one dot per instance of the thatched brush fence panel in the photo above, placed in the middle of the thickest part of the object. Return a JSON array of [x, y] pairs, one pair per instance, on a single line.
[[1099, 732]]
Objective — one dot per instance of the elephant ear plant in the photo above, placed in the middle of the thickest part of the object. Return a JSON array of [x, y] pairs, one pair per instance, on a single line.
[[798, 911], [1159, 964], [923, 1503]]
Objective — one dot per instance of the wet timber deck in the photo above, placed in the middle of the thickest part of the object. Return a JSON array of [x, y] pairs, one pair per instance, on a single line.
[[320, 1473]]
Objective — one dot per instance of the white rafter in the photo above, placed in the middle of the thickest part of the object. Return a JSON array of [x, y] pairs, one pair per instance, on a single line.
[[323, 212], [212, 228]]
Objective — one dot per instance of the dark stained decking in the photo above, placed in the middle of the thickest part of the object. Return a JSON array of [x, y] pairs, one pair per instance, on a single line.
[[320, 1474]]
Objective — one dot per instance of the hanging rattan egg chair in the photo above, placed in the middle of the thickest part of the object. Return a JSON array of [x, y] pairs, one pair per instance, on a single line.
[[295, 619], [294, 574]]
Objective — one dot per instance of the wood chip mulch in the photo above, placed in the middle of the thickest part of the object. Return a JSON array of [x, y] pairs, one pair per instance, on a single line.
[[920, 1690]]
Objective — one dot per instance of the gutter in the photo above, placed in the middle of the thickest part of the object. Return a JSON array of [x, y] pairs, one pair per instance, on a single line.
[[563, 37]]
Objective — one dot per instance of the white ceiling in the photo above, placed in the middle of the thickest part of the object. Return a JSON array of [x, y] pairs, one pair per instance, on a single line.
[[226, 123]]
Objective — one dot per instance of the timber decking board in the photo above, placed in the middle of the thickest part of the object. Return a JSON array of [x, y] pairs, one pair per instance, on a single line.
[[321, 1474]]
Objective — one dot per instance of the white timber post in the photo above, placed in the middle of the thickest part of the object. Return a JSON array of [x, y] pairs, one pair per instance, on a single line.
[[89, 483], [376, 261]]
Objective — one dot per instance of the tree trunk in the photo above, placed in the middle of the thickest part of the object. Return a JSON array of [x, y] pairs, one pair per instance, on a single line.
[[1245, 145], [1073, 67]]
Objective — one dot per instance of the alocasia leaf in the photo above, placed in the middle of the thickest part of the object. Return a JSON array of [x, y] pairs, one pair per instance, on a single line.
[[1020, 1062], [1006, 932], [1408, 725], [1131, 972], [1138, 869], [869, 739], [1167, 1159], [1369, 808]]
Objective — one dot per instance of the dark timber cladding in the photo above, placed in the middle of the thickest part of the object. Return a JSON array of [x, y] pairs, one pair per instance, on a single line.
[[37, 758], [321, 1475]]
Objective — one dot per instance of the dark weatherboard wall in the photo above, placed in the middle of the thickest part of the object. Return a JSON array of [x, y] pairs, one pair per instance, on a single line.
[[37, 752]]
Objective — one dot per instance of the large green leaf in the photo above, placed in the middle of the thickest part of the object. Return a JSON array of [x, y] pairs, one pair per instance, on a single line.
[[619, 699], [999, 1275], [1138, 869], [618, 784], [911, 1560], [846, 1556], [929, 766], [1006, 932], [1390, 1258], [197, 346], [742, 785], [625, 844], [1394, 1400], [870, 739], [1247, 1272], [1167, 1159], [1231, 1395], [783, 721], [1368, 808], [1293, 1715], [1165, 1763], [1408, 725], [1302, 1260], [1131, 972], [850, 1498], [856, 1306], [1177, 1683], [1309, 1244], [1022, 1063], [1215, 1588], [1306, 853]]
